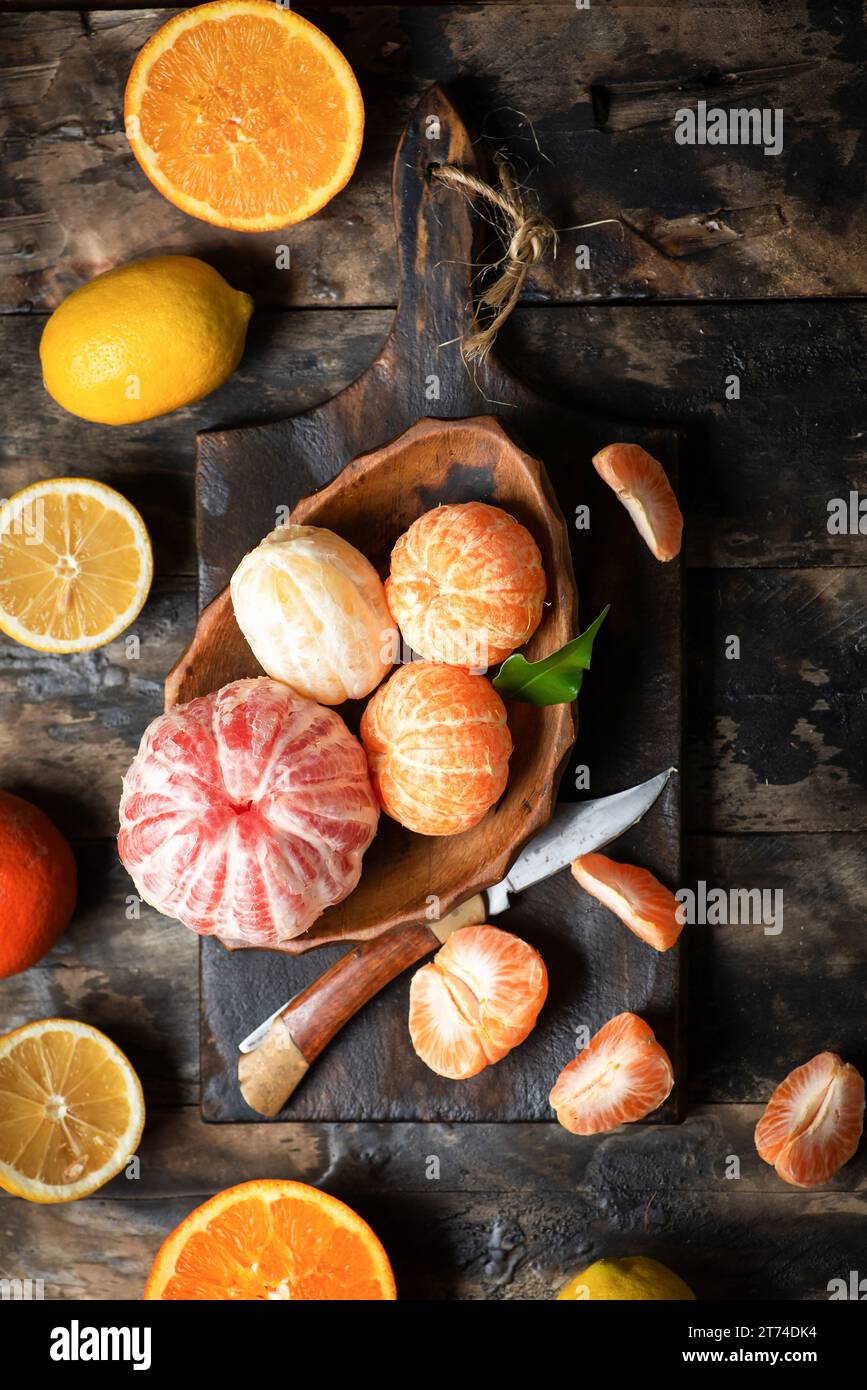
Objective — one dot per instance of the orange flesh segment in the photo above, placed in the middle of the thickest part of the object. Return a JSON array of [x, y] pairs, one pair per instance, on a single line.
[[248, 116], [272, 1241], [622, 1075], [813, 1122], [641, 484], [642, 903]]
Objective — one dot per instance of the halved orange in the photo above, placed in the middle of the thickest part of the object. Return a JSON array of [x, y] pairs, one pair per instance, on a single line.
[[243, 114], [272, 1239], [71, 1110]]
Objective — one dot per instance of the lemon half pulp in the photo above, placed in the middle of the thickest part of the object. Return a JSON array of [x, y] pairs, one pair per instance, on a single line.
[[75, 565], [72, 1110]]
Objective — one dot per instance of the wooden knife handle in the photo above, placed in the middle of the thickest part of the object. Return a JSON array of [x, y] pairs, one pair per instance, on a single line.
[[269, 1074]]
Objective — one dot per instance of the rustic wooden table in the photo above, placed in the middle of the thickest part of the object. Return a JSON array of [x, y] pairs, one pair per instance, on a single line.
[[722, 262]]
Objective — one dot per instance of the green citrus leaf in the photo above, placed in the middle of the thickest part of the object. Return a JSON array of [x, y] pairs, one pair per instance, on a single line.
[[556, 679]]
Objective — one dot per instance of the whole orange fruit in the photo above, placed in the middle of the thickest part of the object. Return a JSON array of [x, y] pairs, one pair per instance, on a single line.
[[466, 585], [38, 884], [438, 746]]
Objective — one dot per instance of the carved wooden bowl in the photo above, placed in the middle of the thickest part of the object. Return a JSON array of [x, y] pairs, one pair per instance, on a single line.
[[370, 503]]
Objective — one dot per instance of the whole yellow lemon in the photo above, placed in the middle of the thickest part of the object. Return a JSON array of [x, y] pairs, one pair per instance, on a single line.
[[636, 1278], [144, 339]]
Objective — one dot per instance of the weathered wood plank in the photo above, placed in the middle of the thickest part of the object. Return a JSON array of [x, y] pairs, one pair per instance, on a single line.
[[290, 362], [69, 726], [694, 1158], [775, 739], [490, 1246], [764, 998], [757, 473], [600, 87]]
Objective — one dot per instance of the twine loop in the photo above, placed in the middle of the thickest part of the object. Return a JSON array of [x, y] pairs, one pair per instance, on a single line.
[[530, 235]]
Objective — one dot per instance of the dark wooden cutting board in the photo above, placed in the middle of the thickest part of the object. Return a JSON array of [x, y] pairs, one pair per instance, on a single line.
[[630, 712]]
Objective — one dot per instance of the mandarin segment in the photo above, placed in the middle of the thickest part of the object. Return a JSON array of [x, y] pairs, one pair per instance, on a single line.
[[642, 903], [438, 746], [640, 481], [466, 585], [272, 1240], [813, 1122], [244, 114], [478, 998], [622, 1075]]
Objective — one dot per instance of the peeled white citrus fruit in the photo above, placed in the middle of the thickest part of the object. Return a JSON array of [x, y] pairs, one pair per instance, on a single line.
[[313, 610]]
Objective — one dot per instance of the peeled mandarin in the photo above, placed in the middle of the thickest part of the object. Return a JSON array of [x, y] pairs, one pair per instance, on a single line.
[[466, 585], [313, 610], [438, 747]]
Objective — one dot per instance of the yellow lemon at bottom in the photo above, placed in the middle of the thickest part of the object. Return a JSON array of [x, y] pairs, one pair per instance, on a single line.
[[144, 339], [636, 1278]]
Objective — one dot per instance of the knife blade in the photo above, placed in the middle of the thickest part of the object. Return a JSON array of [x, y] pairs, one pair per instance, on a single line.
[[573, 830]]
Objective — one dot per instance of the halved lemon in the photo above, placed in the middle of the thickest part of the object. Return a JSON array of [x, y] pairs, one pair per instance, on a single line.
[[272, 1239], [244, 114], [71, 1110], [75, 565]]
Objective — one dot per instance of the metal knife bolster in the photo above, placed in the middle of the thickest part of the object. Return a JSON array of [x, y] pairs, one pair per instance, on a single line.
[[497, 897]]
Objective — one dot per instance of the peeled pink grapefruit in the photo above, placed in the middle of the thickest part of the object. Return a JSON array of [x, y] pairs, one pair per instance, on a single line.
[[246, 813]]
